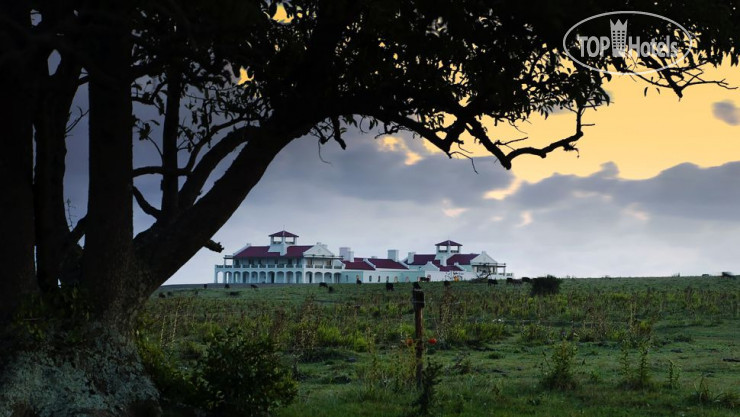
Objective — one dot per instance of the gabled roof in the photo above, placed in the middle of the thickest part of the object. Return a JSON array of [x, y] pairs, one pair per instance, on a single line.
[[448, 243], [462, 259], [386, 263], [421, 259], [358, 264], [263, 252], [283, 233]]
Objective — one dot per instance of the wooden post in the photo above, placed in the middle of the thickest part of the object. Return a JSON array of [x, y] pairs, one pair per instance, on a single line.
[[417, 299]]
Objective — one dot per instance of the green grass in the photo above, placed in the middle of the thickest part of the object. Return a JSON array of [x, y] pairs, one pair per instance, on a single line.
[[349, 348]]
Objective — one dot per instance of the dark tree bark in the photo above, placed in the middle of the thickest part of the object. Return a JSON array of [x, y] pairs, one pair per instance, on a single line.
[[109, 272], [16, 166], [51, 117]]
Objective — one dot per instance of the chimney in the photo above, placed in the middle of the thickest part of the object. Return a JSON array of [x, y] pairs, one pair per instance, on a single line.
[[393, 254], [350, 256], [344, 252], [410, 259]]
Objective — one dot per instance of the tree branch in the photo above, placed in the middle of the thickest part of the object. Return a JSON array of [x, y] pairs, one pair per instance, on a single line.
[[145, 206], [199, 175]]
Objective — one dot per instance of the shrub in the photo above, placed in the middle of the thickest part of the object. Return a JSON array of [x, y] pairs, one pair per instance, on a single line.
[[430, 377], [329, 335], [637, 376], [535, 333], [557, 372], [674, 372], [545, 286], [244, 378], [175, 385]]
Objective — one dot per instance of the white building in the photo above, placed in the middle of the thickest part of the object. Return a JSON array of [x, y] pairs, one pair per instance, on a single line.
[[448, 262], [286, 262]]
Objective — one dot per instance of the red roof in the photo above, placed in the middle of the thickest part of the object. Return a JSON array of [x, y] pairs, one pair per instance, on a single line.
[[263, 252], [448, 243], [358, 264], [449, 268], [386, 263], [283, 233], [297, 251], [462, 259], [422, 259]]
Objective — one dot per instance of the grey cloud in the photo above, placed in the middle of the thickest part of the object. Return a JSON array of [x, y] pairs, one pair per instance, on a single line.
[[727, 112], [692, 225], [685, 190], [364, 172]]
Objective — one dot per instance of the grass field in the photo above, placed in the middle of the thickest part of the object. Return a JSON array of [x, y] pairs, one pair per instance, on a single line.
[[601, 347]]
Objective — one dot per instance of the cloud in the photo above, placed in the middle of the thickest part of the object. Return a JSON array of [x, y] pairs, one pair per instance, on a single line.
[[362, 172], [683, 220], [526, 217], [502, 193], [727, 112], [397, 144], [450, 210]]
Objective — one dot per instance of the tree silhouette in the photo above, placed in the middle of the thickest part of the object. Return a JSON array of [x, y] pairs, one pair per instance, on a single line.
[[442, 70]]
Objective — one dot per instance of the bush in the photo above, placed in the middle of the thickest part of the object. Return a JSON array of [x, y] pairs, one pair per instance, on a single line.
[[244, 378], [545, 286], [175, 385], [557, 372], [636, 376]]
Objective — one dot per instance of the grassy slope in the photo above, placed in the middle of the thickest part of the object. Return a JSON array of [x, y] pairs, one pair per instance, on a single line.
[[349, 351]]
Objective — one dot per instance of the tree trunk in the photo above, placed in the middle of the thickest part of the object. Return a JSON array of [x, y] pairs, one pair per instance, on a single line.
[[51, 116], [16, 167], [109, 272], [73, 354]]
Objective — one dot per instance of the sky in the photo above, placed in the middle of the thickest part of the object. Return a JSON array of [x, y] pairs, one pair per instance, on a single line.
[[654, 191]]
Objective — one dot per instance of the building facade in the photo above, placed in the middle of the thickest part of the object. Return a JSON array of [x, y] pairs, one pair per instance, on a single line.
[[284, 261]]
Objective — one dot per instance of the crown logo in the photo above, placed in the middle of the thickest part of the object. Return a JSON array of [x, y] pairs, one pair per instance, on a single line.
[[619, 37], [618, 25]]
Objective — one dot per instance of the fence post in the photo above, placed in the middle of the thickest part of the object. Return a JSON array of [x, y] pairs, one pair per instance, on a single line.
[[417, 299]]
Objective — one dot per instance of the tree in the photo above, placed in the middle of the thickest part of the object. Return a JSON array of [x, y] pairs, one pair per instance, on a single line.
[[443, 70]]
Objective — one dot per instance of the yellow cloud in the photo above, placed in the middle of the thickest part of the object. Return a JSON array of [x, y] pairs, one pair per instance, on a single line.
[[502, 193], [396, 144]]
